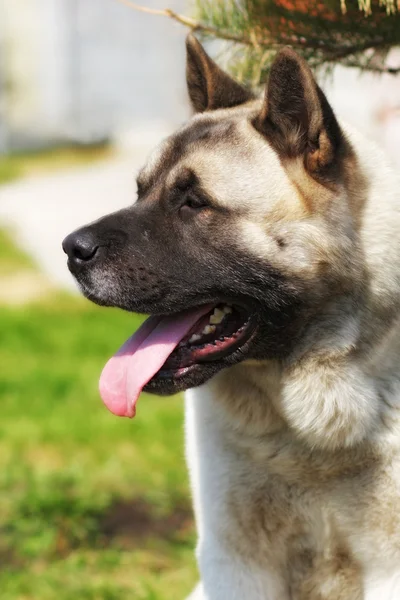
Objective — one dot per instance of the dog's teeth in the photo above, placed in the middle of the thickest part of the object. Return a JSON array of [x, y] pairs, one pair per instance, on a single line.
[[217, 316], [227, 309], [208, 329], [194, 338]]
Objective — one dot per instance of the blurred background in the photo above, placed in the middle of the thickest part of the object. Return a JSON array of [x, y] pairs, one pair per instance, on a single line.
[[91, 506]]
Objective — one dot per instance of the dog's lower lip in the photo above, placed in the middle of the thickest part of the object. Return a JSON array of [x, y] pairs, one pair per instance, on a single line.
[[175, 373], [165, 374]]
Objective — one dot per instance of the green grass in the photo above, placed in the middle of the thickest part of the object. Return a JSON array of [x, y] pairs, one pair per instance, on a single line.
[[21, 164], [11, 258], [9, 169], [91, 506]]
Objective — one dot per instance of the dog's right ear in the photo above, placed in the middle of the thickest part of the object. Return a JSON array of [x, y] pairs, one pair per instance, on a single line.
[[209, 87]]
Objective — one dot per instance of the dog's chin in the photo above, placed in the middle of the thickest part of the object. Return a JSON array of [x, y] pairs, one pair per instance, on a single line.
[[168, 382]]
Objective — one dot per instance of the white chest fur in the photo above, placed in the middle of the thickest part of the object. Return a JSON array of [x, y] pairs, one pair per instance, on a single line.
[[279, 522]]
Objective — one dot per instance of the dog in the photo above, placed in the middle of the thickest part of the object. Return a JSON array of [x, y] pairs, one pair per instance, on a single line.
[[265, 244]]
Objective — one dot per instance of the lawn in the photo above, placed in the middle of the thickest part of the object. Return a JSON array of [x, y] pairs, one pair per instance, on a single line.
[[23, 164], [12, 259], [92, 507]]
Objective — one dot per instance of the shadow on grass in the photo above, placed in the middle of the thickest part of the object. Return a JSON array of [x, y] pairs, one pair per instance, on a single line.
[[54, 525], [130, 522]]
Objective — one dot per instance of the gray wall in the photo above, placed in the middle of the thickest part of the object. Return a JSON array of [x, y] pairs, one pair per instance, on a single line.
[[83, 70]]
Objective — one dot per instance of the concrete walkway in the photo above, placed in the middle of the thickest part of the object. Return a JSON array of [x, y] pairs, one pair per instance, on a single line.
[[42, 211]]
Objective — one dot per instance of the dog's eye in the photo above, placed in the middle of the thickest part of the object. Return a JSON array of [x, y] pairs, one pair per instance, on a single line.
[[193, 202]]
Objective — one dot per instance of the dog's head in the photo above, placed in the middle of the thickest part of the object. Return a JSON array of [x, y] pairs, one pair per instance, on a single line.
[[241, 231]]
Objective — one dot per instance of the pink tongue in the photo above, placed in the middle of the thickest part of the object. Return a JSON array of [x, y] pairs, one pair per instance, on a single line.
[[139, 359]]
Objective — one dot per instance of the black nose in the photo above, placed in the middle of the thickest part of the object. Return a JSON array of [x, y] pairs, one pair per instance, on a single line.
[[80, 246]]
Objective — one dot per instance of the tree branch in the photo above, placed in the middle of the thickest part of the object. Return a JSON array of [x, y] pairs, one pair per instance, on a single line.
[[332, 54], [373, 68], [198, 26], [166, 12]]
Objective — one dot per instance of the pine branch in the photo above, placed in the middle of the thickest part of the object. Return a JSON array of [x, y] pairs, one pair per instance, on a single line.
[[193, 24], [322, 38], [166, 12], [374, 68], [392, 6], [196, 25]]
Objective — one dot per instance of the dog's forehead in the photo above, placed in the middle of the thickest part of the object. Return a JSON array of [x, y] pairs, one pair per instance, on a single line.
[[243, 170], [200, 131], [233, 162]]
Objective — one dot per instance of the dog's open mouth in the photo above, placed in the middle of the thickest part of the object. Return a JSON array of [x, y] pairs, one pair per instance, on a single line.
[[168, 348], [213, 336]]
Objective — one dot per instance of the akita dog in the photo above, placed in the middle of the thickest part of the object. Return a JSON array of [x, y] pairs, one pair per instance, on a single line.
[[265, 244]]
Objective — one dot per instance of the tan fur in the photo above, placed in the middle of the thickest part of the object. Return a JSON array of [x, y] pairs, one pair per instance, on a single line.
[[314, 488], [293, 435], [295, 463]]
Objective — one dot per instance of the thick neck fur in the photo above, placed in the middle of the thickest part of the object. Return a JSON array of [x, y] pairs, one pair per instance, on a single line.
[[351, 349]]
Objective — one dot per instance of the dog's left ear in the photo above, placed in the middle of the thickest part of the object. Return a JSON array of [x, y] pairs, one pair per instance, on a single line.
[[209, 87], [296, 116]]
